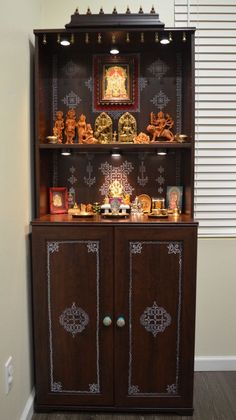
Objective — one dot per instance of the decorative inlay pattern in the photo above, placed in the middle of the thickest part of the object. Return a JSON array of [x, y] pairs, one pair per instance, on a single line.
[[160, 179], [115, 114], [174, 248], [53, 247], [171, 389], [142, 82], [71, 100], [70, 69], [89, 84], [94, 388], [179, 94], [74, 319], [155, 319], [158, 68], [135, 247], [93, 246], [56, 386], [89, 180], [160, 100], [116, 173], [142, 179], [54, 87], [133, 389]]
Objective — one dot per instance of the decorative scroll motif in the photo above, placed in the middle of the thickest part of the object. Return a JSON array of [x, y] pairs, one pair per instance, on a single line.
[[133, 389], [135, 247], [94, 388], [71, 100], [174, 248], [93, 246], [116, 173], [155, 319], [142, 83], [179, 94], [158, 68], [171, 389], [142, 179], [56, 387], [53, 247], [74, 319], [70, 69], [89, 180], [160, 100], [89, 84]]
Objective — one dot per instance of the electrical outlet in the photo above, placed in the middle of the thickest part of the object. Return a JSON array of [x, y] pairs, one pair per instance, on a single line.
[[8, 375]]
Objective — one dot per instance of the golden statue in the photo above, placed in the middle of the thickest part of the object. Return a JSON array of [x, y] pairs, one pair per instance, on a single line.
[[59, 126], [103, 128], [88, 135], [115, 189], [160, 126], [115, 83], [142, 138], [70, 126], [81, 127], [127, 128]]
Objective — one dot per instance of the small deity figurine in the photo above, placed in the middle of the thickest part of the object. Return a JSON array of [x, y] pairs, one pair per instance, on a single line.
[[160, 126], [70, 126], [59, 126], [127, 128], [141, 138], [103, 128], [115, 189], [81, 127], [88, 135]]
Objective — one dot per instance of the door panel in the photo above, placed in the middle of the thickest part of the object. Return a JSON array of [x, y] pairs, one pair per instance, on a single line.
[[73, 348], [153, 287]]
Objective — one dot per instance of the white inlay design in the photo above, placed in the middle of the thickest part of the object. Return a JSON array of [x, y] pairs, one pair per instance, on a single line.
[[179, 94], [71, 69], [135, 247], [142, 179], [89, 84], [116, 173], [142, 82], [54, 86], [89, 180], [133, 389], [155, 319], [158, 68], [71, 100], [160, 100], [74, 319], [171, 389], [174, 248]]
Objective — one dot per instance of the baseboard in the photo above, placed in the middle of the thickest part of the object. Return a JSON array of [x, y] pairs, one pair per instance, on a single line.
[[217, 363], [29, 407]]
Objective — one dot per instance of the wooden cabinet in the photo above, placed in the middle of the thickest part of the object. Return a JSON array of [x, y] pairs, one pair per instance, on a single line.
[[114, 300], [143, 278]]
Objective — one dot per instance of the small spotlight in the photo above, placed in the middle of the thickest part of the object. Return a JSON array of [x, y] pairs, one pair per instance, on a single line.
[[184, 37], [64, 42], [115, 153], [65, 152], [164, 40], [114, 51], [161, 152]]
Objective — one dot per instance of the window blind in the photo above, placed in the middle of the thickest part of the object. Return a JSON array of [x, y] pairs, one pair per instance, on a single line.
[[215, 112]]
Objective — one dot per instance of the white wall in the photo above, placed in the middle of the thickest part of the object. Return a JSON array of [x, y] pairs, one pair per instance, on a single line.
[[17, 20]]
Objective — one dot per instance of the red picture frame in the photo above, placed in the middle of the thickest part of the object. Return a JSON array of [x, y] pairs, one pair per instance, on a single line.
[[58, 200]]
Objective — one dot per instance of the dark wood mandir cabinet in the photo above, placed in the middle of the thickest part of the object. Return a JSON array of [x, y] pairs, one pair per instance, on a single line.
[[114, 300]]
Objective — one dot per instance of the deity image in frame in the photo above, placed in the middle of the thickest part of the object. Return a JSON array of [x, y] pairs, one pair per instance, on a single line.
[[115, 82]]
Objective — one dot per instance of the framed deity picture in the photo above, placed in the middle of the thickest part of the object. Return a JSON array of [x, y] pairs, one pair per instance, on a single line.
[[116, 82], [58, 200], [174, 197]]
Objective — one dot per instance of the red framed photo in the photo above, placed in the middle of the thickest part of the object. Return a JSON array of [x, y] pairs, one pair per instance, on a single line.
[[58, 200]]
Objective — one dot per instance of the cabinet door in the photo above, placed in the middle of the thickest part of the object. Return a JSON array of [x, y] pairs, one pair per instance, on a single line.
[[155, 293], [73, 292]]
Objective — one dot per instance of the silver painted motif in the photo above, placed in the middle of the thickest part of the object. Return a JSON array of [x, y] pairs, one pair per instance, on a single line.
[[113, 173], [56, 386], [93, 246], [94, 388], [160, 100], [89, 180], [158, 68], [142, 83], [171, 389], [142, 179], [133, 390], [54, 86], [174, 248], [135, 247], [115, 115], [71, 100], [155, 319], [53, 247], [179, 94], [89, 84], [70, 69], [74, 319]]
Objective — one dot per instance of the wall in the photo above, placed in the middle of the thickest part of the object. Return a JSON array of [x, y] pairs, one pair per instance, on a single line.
[[17, 20]]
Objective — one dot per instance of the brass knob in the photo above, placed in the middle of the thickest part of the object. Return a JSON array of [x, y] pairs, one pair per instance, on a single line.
[[120, 322], [107, 321]]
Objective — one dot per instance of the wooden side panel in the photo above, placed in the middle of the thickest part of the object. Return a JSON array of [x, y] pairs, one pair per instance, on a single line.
[[155, 292]]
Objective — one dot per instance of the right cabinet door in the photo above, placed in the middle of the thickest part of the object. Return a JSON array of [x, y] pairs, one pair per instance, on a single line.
[[155, 271]]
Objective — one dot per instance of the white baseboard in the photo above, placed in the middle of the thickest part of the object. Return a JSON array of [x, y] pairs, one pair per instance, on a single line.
[[217, 363], [29, 407]]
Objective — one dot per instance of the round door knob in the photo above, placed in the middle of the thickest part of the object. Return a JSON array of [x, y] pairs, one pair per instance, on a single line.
[[107, 321], [120, 322]]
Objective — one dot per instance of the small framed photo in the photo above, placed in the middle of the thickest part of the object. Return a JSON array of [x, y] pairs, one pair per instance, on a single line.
[[58, 200], [174, 197]]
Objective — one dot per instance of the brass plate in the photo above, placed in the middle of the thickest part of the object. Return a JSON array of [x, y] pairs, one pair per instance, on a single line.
[[158, 216], [115, 216]]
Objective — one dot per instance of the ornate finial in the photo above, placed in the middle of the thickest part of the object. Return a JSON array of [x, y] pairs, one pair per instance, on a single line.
[[58, 38], [114, 11], [127, 37], [128, 10], [101, 12], [76, 11], [86, 38], [88, 11], [152, 10], [113, 39], [99, 38], [142, 37], [44, 39], [184, 37], [72, 39], [156, 37], [140, 10], [170, 37]]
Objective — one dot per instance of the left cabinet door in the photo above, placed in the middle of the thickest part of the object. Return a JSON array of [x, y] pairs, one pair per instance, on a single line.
[[72, 294]]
